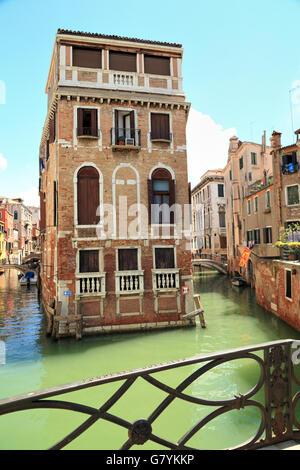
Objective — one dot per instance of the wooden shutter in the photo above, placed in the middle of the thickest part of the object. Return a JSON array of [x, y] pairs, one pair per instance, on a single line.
[[164, 258], [122, 61], [156, 65], [150, 198], [88, 196], [89, 261], [128, 260], [87, 57], [160, 127], [79, 121], [43, 211], [94, 122], [172, 199], [52, 129], [132, 126]]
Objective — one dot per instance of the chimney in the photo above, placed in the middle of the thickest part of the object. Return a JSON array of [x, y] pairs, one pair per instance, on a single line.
[[297, 132], [234, 144], [276, 140]]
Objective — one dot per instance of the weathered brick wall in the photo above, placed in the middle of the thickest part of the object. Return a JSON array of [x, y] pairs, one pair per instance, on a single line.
[[270, 287], [73, 152]]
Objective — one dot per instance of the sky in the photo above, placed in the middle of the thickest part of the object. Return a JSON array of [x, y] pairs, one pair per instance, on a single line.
[[241, 72]]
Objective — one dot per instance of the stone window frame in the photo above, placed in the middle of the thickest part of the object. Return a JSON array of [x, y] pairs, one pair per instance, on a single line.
[[75, 138], [164, 246], [101, 188], [248, 207], [255, 204], [286, 195], [100, 255]]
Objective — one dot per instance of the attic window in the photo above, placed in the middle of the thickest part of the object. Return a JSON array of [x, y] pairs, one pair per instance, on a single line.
[[87, 57]]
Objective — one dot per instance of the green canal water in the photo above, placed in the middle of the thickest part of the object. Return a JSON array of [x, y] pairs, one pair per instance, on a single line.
[[34, 361]]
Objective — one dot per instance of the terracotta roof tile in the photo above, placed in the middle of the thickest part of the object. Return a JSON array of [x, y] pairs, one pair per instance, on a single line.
[[118, 38]]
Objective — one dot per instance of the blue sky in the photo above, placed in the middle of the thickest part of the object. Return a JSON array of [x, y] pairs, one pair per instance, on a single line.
[[241, 58]]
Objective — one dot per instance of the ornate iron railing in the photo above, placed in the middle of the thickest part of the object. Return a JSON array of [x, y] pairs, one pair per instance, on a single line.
[[278, 409]]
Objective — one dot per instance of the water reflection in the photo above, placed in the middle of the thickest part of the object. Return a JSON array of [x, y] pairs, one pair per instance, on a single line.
[[21, 319]]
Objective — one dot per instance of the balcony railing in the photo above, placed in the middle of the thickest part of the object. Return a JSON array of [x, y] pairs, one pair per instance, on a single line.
[[289, 168], [129, 282], [273, 393], [91, 284], [165, 279], [123, 79], [125, 137]]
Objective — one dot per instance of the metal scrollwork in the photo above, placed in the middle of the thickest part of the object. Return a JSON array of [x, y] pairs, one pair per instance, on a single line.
[[276, 375]]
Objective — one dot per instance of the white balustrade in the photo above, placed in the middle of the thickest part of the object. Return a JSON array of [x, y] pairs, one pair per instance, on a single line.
[[90, 284], [129, 281], [165, 279]]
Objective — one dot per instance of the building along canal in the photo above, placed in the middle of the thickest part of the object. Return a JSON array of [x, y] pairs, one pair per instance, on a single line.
[[34, 361]]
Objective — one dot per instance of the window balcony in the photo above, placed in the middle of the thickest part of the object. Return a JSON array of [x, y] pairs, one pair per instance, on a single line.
[[90, 284], [165, 279], [129, 282], [125, 138], [289, 168]]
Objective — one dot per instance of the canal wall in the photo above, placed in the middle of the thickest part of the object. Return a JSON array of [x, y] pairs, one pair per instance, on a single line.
[[277, 288]]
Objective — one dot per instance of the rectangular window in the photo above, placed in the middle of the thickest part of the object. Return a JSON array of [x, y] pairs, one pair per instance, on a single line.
[[87, 124], [156, 65], [268, 200], [241, 163], [253, 158], [222, 222], [207, 192], [249, 207], [54, 203], [164, 258], [221, 190], [230, 175], [160, 126], [123, 61], [128, 259], [292, 195], [256, 204], [87, 57], [288, 284], [267, 233], [250, 176], [257, 236], [89, 261]]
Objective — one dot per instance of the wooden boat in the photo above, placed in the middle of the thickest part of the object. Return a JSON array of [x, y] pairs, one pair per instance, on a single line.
[[28, 278], [238, 281]]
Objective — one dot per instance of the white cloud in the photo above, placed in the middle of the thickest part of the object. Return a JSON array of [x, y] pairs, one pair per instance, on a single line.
[[3, 162], [207, 145], [30, 197]]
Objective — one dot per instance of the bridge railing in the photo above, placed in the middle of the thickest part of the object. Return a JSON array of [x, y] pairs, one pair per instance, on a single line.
[[274, 393]]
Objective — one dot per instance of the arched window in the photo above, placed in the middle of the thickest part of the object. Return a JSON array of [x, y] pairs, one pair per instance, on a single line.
[[161, 189], [87, 195]]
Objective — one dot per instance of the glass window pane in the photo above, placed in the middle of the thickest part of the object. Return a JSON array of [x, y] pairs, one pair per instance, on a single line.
[[161, 185]]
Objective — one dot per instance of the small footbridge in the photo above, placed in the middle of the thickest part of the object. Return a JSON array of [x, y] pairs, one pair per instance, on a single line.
[[30, 263], [213, 263]]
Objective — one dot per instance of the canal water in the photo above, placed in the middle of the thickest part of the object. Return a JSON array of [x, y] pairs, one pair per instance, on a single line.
[[34, 361]]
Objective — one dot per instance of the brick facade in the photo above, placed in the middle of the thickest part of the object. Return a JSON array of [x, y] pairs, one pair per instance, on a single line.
[[123, 172]]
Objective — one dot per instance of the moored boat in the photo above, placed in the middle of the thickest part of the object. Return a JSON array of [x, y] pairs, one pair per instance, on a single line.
[[28, 278]]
